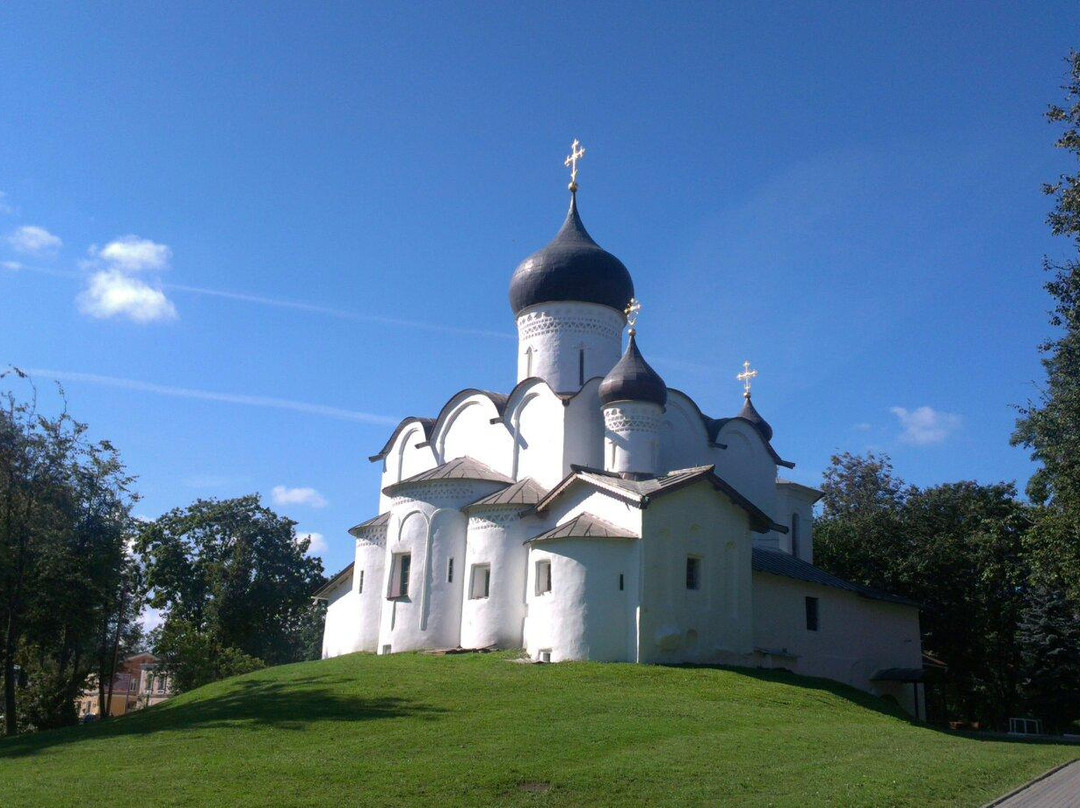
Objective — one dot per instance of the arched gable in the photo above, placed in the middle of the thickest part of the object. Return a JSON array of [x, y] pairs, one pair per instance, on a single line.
[[471, 424], [535, 417], [684, 439], [746, 463]]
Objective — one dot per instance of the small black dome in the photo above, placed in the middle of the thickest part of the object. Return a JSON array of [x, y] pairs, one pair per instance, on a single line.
[[572, 267], [754, 417], [633, 380]]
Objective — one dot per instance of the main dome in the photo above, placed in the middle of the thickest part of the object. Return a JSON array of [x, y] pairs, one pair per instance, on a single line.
[[572, 267]]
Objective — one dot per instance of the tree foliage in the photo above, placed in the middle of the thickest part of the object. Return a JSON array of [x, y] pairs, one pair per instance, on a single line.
[[234, 585], [65, 523]]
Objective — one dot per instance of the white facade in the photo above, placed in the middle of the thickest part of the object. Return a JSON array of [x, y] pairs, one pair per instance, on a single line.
[[648, 533]]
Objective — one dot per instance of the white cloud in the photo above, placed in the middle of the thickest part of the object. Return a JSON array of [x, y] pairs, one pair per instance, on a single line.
[[151, 618], [925, 426], [317, 541], [134, 254], [297, 496], [114, 294], [14, 266], [34, 240]]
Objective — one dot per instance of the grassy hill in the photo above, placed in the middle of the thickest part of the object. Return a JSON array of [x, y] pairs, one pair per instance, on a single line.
[[482, 730]]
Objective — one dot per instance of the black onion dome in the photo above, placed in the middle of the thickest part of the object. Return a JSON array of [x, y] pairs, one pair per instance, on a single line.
[[633, 380], [572, 267], [754, 417]]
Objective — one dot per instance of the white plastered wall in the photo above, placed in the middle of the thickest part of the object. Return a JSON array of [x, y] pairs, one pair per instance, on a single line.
[[789, 502], [632, 436], [553, 337], [536, 419], [683, 439], [340, 632], [405, 458], [496, 537], [715, 622], [856, 636], [466, 429], [370, 560], [746, 464]]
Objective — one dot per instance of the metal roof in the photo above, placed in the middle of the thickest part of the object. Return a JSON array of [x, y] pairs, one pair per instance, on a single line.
[[585, 526], [777, 562], [460, 468], [382, 520], [320, 593], [524, 492], [633, 379]]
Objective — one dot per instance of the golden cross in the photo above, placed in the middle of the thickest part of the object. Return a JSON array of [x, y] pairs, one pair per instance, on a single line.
[[746, 377], [631, 311], [576, 153]]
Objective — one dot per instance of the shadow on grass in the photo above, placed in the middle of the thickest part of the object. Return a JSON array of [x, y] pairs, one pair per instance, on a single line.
[[291, 705], [871, 702]]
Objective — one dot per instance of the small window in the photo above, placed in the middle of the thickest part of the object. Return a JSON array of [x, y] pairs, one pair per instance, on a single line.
[[399, 575], [620, 582], [481, 581], [693, 572], [450, 571], [528, 362], [161, 684], [545, 655], [543, 577], [811, 614], [581, 366], [360, 585], [795, 534], [386, 649]]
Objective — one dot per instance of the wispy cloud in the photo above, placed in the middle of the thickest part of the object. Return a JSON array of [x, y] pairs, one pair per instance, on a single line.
[[34, 240], [341, 314], [210, 395], [926, 426], [282, 495], [5, 207], [13, 266], [316, 542], [111, 293]]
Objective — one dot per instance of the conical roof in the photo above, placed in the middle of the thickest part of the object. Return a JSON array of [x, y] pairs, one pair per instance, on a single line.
[[632, 379], [749, 413], [572, 267]]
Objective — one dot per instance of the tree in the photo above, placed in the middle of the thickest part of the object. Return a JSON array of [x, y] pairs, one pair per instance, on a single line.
[[65, 506], [1049, 640], [232, 580]]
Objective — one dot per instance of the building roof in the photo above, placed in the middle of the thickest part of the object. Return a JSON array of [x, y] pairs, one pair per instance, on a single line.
[[750, 413], [585, 526], [814, 493], [524, 492], [460, 468], [632, 379], [639, 492], [571, 267], [382, 520], [427, 424], [777, 562], [322, 591]]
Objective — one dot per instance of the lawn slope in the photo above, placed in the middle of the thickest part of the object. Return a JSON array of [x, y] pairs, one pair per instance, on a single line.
[[483, 730]]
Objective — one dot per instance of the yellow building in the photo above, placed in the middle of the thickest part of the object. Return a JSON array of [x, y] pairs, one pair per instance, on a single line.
[[136, 684]]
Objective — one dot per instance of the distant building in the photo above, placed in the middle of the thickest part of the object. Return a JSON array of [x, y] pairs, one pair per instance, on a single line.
[[594, 513], [136, 684]]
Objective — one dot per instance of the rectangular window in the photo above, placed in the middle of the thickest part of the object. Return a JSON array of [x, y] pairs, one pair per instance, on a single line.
[[481, 581], [399, 575], [543, 577], [811, 614], [581, 367], [360, 585], [161, 684], [620, 582], [450, 571], [693, 572]]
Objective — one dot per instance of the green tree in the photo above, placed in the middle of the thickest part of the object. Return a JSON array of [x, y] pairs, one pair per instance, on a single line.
[[1049, 641], [231, 579]]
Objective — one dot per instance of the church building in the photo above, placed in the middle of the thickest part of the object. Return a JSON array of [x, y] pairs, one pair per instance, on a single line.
[[594, 513]]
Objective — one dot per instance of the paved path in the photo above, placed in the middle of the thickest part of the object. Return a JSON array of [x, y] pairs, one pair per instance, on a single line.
[[1060, 790]]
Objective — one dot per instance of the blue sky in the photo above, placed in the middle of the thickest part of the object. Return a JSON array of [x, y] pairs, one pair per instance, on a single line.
[[250, 238]]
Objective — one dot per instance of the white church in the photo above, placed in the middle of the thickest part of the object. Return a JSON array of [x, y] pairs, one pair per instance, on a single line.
[[594, 513]]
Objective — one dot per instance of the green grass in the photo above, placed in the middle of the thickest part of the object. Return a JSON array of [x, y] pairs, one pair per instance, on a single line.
[[482, 730]]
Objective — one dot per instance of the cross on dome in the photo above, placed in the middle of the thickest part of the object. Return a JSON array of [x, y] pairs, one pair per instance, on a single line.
[[631, 312], [576, 153], [746, 377]]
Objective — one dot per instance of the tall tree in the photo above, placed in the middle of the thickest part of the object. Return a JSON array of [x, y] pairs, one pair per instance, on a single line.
[[234, 584]]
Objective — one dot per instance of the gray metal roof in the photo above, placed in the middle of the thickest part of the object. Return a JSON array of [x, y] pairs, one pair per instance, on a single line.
[[777, 562], [585, 526], [382, 520], [427, 424], [524, 492], [460, 468], [639, 492], [633, 379]]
